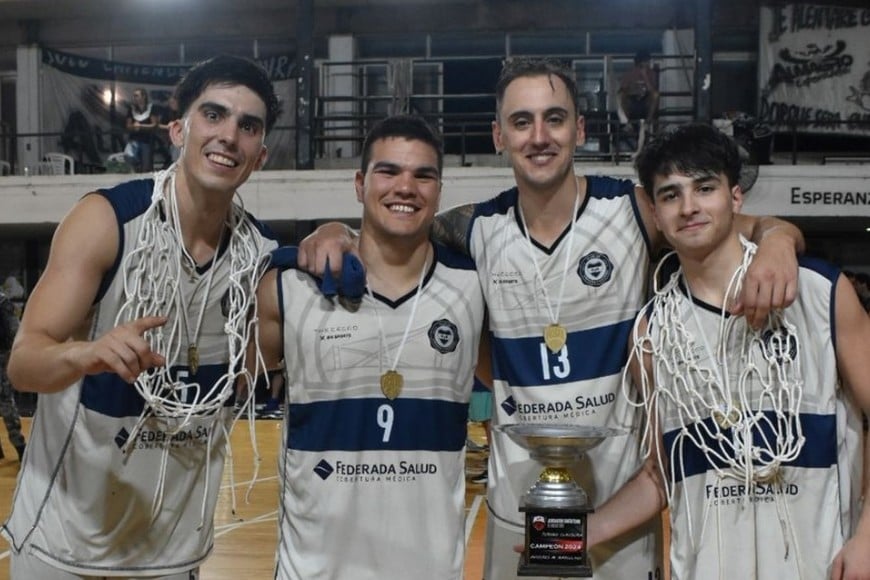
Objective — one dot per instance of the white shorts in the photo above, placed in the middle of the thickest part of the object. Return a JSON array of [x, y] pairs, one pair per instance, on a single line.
[[636, 556], [25, 566]]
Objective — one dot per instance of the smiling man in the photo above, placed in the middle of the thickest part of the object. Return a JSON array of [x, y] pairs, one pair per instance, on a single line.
[[756, 443], [150, 283], [373, 473]]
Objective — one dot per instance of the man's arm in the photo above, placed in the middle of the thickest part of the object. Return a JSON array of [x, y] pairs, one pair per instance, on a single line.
[[771, 281], [328, 243], [269, 331], [332, 240], [264, 346], [51, 350], [853, 364], [643, 496], [451, 227]]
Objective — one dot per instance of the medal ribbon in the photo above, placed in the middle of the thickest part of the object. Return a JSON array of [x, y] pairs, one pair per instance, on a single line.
[[382, 336], [554, 316]]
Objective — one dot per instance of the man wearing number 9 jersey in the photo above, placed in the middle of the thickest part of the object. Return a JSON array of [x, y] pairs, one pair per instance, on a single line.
[[372, 476]]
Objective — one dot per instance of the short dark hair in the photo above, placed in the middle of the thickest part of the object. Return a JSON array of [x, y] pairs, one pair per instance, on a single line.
[[230, 70], [515, 68], [688, 149], [641, 56], [411, 127]]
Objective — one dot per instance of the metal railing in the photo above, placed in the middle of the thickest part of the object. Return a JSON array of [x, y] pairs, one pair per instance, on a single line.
[[376, 87]]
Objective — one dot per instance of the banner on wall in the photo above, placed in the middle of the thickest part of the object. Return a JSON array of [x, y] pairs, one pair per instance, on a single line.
[[85, 102], [814, 68]]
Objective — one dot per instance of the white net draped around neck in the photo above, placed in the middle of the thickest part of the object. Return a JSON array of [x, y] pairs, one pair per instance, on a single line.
[[739, 407], [151, 272]]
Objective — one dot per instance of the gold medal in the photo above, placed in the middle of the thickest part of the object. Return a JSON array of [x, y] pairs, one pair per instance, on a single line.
[[192, 358], [391, 384], [555, 337], [727, 420]]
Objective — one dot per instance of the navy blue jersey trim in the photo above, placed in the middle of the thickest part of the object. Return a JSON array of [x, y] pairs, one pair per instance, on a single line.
[[601, 187], [451, 258], [593, 353], [128, 200], [108, 394], [831, 273], [819, 451], [355, 425]]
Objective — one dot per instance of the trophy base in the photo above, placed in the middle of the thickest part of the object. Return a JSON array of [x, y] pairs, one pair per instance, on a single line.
[[554, 571], [555, 543]]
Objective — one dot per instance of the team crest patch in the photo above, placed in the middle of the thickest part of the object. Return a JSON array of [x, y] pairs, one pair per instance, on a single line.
[[780, 343], [595, 269], [443, 336]]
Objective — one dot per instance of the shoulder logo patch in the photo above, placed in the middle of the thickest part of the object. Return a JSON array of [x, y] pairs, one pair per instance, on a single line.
[[779, 344]]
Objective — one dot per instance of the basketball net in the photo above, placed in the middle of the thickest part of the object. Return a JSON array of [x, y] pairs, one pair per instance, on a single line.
[[738, 405], [151, 274]]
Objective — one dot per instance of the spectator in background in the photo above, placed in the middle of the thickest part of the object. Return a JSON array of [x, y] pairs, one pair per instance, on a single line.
[[78, 139], [141, 123], [638, 92], [8, 410], [168, 114]]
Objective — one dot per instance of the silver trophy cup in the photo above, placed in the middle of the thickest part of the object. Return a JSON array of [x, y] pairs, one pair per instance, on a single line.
[[556, 506]]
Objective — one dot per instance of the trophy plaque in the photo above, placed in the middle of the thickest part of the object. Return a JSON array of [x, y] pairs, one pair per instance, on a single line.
[[556, 507]]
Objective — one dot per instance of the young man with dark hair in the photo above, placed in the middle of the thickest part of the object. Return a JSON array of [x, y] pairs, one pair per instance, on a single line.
[[134, 337], [373, 478], [754, 436]]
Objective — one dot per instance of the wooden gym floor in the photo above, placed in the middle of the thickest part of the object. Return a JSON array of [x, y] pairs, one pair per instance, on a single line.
[[245, 542]]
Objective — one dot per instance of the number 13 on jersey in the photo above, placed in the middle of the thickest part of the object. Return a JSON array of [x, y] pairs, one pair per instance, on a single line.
[[554, 364]]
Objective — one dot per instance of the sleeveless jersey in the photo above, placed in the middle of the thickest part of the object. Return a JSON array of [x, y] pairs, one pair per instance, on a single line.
[[740, 531], [84, 507], [605, 287], [374, 488]]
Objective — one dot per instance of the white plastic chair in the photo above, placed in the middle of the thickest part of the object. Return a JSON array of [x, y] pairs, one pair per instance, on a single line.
[[61, 164], [116, 158]]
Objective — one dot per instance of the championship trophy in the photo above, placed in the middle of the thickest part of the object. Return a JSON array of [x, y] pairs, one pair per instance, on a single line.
[[556, 506]]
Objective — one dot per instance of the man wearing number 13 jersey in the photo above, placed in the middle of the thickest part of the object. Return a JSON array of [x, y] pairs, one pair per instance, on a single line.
[[377, 398], [568, 254]]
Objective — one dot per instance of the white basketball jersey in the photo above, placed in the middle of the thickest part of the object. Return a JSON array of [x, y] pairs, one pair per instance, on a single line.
[[373, 488], [788, 529], [81, 505], [605, 285]]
